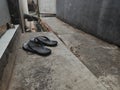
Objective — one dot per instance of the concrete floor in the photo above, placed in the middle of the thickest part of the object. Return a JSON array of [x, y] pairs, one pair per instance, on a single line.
[[101, 58], [60, 71]]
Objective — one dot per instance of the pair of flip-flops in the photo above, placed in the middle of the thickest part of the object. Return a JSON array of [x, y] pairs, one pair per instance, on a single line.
[[37, 45]]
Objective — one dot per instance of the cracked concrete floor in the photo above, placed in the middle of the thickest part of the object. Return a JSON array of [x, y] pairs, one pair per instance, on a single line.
[[101, 58], [60, 71]]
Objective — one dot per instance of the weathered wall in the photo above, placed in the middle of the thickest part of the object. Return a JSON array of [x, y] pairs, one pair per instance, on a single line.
[[47, 6], [98, 17], [4, 12]]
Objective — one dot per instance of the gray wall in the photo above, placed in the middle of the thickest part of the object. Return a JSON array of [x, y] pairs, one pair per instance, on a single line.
[[98, 17], [4, 12], [47, 6]]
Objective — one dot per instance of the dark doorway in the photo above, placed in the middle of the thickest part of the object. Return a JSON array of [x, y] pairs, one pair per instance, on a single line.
[[14, 11]]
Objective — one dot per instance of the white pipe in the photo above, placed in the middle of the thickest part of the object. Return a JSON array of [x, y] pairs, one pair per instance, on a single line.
[[25, 6]]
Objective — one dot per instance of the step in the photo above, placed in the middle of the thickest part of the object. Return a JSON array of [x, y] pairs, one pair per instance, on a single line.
[[8, 45]]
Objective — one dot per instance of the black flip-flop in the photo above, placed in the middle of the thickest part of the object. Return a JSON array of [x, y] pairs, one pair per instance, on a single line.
[[26, 47], [36, 48], [45, 40]]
